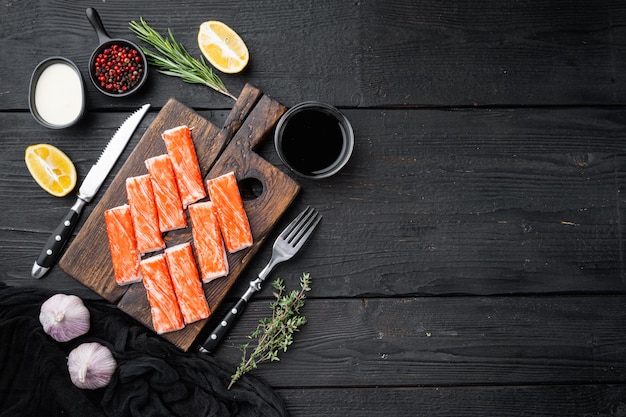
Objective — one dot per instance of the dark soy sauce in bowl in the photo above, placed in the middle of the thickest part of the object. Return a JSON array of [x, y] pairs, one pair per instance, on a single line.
[[314, 140]]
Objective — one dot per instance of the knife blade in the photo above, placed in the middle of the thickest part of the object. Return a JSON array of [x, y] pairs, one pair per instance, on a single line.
[[88, 189]]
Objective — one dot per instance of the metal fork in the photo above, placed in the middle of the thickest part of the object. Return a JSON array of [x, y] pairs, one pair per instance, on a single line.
[[288, 243]]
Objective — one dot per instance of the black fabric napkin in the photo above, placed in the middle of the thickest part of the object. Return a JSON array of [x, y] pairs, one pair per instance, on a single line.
[[153, 377]]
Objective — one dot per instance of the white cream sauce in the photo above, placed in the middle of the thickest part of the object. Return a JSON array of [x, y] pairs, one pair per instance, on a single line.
[[59, 95]]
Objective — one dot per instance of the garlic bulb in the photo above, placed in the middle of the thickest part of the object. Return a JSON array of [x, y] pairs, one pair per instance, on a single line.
[[64, 317], [91, 365]]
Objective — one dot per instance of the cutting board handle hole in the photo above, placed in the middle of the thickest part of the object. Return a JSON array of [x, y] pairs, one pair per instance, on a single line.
[[250, 188]]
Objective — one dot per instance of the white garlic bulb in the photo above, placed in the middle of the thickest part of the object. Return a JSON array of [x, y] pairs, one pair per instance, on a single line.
[[91, 365], [64, 317]]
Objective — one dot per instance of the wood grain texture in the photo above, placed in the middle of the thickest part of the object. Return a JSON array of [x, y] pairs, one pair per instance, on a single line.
[[450, 341], [467, 202], [474, 202], [470, 261], [485, 401], [88, 260], [364, 53]]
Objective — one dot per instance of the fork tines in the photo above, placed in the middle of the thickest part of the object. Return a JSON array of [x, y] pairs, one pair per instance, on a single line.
[[298, 231]]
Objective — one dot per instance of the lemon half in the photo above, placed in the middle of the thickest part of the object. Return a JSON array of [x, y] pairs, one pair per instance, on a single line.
[[53, 170], [222, 47]]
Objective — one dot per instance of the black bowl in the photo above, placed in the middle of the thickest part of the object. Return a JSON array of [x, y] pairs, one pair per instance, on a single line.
[[106, 42], [314, 140]]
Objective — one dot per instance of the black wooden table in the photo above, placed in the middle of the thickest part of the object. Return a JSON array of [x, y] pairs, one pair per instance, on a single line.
[[471, 257]]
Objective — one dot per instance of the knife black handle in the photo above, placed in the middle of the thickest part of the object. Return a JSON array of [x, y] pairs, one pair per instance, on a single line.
[[216, 336], [57, 241]]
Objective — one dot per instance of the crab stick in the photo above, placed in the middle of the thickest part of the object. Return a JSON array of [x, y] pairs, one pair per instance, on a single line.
[[224, 193], [144, 213], [208, 241], [166, 314], [187, 286], [182, 152], [168, 203], [122, 244]]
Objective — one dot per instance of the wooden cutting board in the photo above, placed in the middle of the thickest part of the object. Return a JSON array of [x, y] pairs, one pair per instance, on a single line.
[[219, 151]]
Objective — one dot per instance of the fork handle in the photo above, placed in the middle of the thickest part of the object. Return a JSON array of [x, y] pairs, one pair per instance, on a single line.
[[216, 336], [276, 259]]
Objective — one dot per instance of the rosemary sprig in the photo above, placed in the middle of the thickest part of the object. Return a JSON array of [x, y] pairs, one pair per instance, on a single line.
[[173, 59], [275, 333]]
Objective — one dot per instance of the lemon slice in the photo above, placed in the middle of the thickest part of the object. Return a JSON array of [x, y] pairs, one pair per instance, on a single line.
[[51, 169], [222, 47]]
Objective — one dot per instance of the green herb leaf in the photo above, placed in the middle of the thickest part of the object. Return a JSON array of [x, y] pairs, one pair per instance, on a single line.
[[173, 59], [276, 333]]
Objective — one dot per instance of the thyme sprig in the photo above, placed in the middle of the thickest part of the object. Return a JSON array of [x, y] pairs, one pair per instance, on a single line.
[[275, 333], [173, 59]]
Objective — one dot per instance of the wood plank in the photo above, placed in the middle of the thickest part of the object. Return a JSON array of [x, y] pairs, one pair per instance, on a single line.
[[473, 202], [263, 211], [365, 54], [445, 341], [87, 258], [484, 401], [462, 201], [470, 261]]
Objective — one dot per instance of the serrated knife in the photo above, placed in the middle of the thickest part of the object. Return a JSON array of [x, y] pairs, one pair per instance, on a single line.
[[88, 189]]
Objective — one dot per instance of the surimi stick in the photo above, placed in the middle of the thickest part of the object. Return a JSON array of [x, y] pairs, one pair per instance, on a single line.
[[166, 315], [122, 244], [182, 152], [208, 241], [144, 213], [168, 203], [187, 285], [224, 193]]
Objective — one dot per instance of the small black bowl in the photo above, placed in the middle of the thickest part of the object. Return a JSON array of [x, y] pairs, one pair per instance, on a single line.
[[106, 42], [314, 140]]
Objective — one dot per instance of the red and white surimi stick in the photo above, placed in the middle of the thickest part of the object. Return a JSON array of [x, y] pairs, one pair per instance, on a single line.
[[208, 241], [184, 274], [166, 315], [144, 213], [166, 196], [182, 152], [122, 244], [224, 193]]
